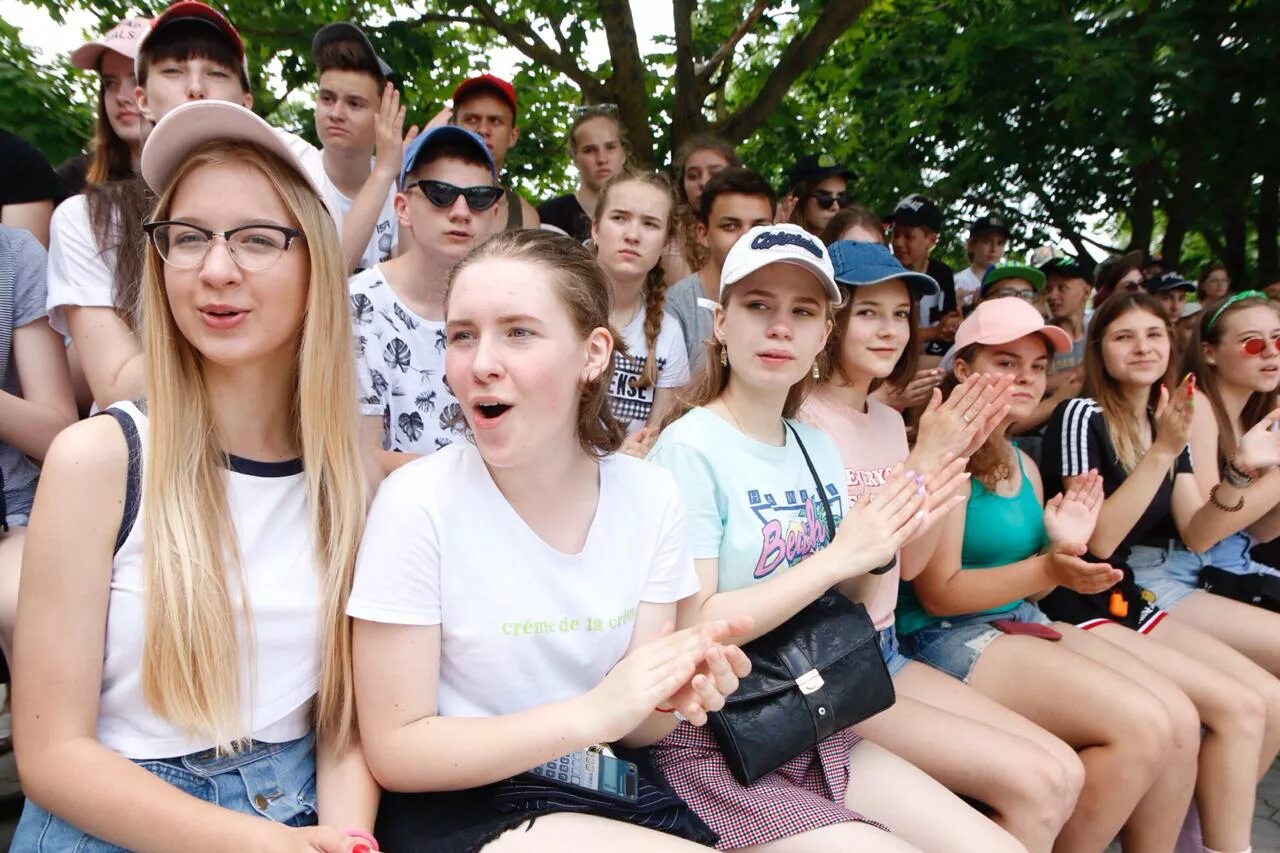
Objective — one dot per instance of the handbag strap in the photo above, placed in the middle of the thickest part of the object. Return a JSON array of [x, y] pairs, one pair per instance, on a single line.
[[817, 483]]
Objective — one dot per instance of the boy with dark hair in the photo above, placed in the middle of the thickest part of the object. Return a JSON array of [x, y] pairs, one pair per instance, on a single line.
[[916, 223], [360, 124], [733, 201], [447, 203], [486, 106]]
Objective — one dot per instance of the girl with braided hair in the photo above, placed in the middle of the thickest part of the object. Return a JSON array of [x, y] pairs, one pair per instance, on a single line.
[[632, 226]]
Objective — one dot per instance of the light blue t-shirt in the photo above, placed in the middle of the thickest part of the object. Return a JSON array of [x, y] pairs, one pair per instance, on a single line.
[[751, 505]]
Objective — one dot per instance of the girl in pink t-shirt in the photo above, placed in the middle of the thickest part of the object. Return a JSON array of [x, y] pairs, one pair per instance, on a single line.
[[975, 746]]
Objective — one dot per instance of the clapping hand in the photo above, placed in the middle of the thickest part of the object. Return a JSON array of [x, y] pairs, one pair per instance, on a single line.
[[1069, 518], [1259, 448], [875, 528], [916, 392], [1173, 415]]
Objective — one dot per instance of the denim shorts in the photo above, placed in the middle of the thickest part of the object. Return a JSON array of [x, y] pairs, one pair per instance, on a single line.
[[954, 645], [894, 659], [276, 781], [1172, 572]]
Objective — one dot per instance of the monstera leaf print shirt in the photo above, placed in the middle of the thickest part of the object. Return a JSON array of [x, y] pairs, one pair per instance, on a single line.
[[400, 365]]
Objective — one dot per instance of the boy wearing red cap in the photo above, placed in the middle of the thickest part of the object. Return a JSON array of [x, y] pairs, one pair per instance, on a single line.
[[486, 106]]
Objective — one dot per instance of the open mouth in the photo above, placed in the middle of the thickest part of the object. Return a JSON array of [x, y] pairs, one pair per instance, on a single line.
[[488, 414]]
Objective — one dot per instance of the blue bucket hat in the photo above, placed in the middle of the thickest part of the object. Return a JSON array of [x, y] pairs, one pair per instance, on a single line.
[[446, 133], [859, 264]]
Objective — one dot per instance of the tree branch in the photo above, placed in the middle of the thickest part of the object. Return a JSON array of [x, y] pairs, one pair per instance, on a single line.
[[835, 19], [704, 70], [688, 101], [522, 37], [627, 84]]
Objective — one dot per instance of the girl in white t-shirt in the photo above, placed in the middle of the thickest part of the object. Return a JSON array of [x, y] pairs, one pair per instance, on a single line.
[[514, 594], [971, 744], [182, 677], [632, 224], [761, 547]]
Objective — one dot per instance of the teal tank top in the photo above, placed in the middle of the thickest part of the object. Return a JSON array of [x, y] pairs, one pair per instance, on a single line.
[[997, 531]]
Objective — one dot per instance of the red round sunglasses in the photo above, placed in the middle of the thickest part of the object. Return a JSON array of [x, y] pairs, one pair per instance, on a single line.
[[1257, 346]]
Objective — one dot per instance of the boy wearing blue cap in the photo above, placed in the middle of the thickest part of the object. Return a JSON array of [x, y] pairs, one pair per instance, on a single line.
[[447, 203]]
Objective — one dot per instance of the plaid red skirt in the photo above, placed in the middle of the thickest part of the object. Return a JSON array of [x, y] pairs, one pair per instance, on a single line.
[[804, 794]]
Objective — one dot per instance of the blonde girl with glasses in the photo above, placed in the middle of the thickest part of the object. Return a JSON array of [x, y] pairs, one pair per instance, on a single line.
[[189, 558]]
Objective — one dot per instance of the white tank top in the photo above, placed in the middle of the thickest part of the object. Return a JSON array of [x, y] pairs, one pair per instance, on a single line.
[[268, 507]]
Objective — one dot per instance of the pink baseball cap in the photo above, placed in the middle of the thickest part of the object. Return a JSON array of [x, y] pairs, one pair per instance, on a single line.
[[999, 321], [123, 38], [188, 126]]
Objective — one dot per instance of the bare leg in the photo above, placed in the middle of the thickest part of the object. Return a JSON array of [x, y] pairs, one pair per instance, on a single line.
[[982, 750], [1250, 630], [1122, 731], [920, 810], [838, 838], [1233, 717]]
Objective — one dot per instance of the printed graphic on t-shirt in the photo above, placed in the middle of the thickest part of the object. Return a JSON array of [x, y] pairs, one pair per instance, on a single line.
[[793, 525], [401, 369], [631, 403], [864, 481]]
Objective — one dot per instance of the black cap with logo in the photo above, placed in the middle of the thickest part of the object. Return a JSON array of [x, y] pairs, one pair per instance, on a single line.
[[916, 209]]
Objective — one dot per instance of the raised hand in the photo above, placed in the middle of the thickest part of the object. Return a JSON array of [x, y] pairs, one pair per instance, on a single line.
[[1069, 518], [1173, 416], [1069, 570], [874, 529], [916, 393], [1259, 448], [653, 673], [389, 136]]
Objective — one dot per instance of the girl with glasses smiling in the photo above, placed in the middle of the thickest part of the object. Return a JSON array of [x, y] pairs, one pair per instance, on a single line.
[[189, 559]]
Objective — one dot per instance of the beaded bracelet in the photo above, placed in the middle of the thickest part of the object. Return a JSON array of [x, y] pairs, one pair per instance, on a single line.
[[1236, 477], [360, 833], [1213, 499]]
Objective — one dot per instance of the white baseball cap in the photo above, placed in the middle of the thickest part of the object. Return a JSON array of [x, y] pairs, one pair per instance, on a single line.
[[186, 127], [778, 244]]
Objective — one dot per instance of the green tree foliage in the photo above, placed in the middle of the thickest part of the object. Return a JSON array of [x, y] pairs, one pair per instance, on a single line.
[[1145, 120], [47, 106]]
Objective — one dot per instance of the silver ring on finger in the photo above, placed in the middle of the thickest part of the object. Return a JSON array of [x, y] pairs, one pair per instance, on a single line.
[[967, 418]]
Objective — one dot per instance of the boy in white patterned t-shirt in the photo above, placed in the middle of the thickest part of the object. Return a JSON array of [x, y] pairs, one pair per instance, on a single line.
[[446, 205]]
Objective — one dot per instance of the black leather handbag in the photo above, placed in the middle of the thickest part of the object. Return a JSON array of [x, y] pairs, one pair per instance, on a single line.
[[1260, 590], [816, 674]]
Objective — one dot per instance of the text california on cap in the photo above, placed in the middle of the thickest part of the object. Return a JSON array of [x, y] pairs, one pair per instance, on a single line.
[[861, 264], [347, 31], [188, 126], [778, 244], [123, 39], [444, 133]]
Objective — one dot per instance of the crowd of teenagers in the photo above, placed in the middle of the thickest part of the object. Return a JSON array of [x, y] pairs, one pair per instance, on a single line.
[[368, 488]]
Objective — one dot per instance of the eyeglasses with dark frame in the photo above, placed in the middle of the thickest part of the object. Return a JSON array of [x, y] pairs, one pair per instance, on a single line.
[[443, 194], [253, 247], [1004, 292]]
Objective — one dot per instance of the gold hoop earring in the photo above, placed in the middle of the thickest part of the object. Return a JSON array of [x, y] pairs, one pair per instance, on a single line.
[[724, 357], [817, 374]]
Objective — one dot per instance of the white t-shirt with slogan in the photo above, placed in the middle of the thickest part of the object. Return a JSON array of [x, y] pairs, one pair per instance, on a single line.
[[385, 232], [400, 368], [521, 624], [631, 405]]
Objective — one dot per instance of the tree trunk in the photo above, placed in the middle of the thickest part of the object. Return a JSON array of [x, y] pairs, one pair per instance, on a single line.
[[1235, 236], [627, 85]]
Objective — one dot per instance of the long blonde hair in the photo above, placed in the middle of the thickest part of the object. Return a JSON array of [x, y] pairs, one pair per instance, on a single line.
[[189, 675]]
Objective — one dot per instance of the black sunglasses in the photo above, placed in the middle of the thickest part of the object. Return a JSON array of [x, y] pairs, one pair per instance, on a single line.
[[444, 195], [826, 199]]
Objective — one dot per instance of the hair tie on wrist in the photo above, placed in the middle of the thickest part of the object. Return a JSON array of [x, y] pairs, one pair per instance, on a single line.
[[360, 833]]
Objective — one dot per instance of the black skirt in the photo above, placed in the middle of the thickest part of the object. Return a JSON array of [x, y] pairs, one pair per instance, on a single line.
[[465, 821]]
